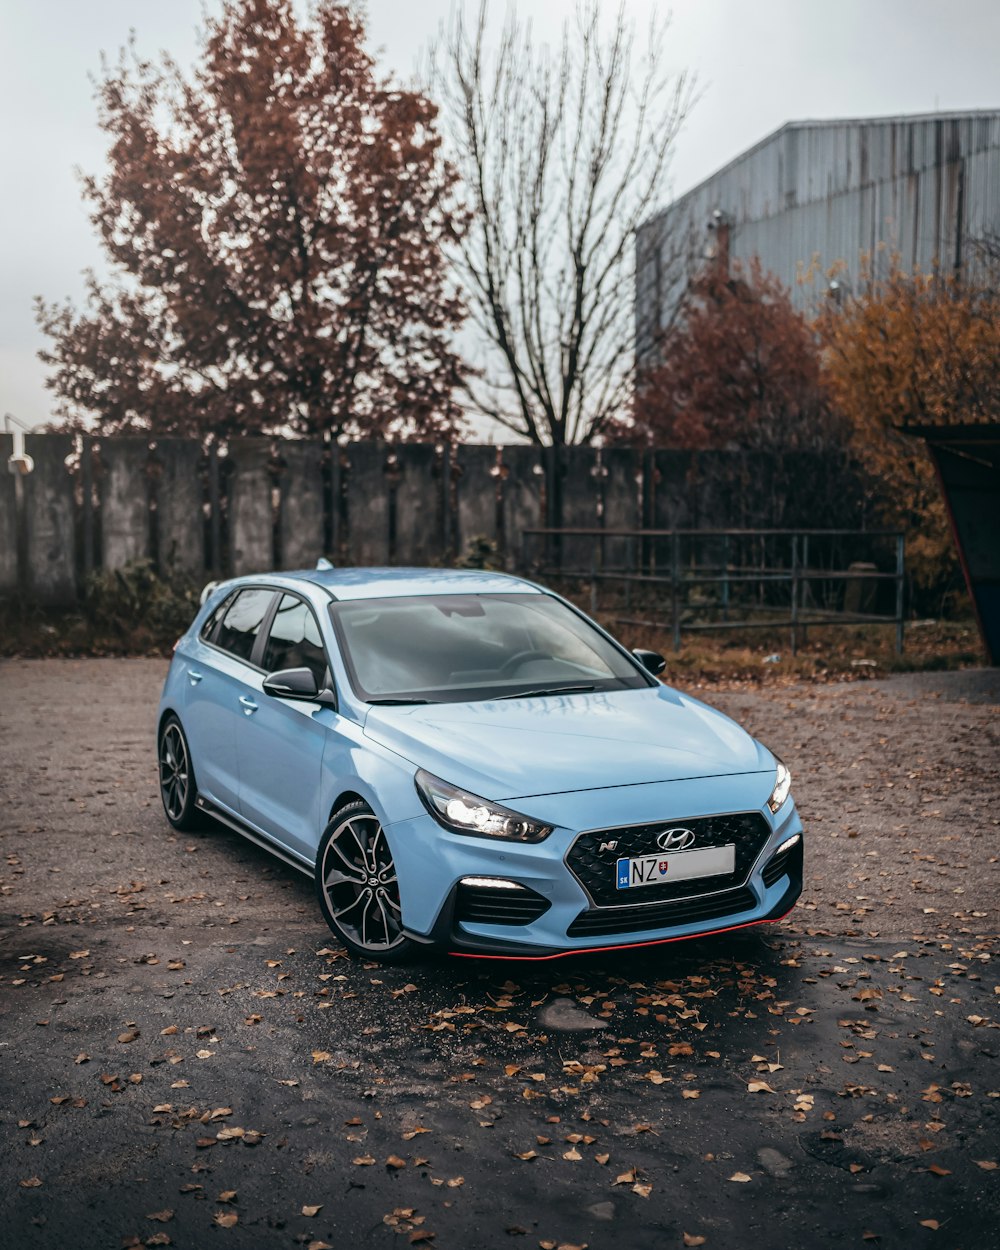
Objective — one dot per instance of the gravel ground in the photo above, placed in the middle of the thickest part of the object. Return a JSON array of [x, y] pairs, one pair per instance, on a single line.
[[188, 1060]]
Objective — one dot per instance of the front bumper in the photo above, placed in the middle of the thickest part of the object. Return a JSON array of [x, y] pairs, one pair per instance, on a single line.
[[432, 862]]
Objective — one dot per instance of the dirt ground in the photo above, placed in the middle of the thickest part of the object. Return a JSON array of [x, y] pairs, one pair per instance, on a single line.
[[187, 1059]]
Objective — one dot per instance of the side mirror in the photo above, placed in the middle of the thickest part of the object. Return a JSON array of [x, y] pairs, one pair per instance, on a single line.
[[297, 683], [650, 660]]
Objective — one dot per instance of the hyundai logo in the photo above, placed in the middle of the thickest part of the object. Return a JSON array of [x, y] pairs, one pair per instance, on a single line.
[[675, 840]]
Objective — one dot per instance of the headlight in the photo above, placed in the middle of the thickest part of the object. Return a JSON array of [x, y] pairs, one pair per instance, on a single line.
[[465, 813], [781, 787]]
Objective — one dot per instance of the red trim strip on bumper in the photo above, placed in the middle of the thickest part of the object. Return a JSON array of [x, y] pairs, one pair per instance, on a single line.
[[626, 946]]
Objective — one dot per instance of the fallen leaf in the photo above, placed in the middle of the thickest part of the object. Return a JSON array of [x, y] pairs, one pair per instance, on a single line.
[[693, 1239], [227, 1195], [129, 1036], [986, 1164], [312, 1210], [933, 1224], [395, 1162], [31, 1183], [642, 1190], [226, 1219], [938, 1170], [759, 1087], [162, 1216], [742, 1177], [690, 1093], [527, 1154], [363, 1161]]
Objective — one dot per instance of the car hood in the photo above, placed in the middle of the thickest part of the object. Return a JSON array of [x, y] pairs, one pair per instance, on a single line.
[[516, 748]]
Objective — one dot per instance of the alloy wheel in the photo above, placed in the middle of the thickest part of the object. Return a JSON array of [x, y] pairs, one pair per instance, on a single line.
[[358, 878], [175, 772]]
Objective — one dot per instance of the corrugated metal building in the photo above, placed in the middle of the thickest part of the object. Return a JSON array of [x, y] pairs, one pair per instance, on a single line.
[[816, 193]]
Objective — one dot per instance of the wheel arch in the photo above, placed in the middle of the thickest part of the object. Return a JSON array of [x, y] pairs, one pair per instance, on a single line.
[[164, 717], [350, 796]]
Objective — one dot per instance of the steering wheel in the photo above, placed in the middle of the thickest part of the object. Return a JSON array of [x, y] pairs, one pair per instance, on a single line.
[[521, 657]]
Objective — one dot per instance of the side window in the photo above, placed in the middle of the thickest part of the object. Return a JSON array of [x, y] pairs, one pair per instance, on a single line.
[[214, 617], [294, 641], [241, 623]]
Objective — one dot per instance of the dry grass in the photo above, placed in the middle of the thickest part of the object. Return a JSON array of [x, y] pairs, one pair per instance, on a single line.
[[850, 652]]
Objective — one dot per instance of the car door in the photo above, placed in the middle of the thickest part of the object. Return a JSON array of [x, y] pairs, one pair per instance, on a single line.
[[281, 741], [223, 680]]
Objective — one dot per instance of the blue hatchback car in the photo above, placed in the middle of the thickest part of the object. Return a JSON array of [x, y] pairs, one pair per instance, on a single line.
[[464, 761]]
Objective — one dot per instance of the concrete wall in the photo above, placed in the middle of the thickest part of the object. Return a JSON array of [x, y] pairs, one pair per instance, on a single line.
[[8, 519], [285, 503]]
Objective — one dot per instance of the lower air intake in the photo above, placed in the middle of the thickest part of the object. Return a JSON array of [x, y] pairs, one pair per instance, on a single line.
[[605, 921], [513, 904]]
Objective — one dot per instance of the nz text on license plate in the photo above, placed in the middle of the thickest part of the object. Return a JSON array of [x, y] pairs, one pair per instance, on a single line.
[[713, 861]]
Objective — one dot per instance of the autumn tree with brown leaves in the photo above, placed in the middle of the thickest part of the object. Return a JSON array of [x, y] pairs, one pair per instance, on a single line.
[[739, 368], [274, 223], [912, 349]]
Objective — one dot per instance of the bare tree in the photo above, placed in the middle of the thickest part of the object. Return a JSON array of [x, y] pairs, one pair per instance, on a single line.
[[563, 154]]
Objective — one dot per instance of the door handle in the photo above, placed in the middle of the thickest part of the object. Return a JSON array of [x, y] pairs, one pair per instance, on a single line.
[[193, 677], [249, 707]]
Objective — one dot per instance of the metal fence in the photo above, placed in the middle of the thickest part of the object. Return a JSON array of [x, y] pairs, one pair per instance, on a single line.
[[686, 580]]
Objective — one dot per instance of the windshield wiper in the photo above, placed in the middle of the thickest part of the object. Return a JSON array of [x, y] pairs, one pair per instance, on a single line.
[[398, 702], [534, 694]]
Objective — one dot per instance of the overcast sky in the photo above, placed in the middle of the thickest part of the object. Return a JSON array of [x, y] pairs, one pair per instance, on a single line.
[[759, 64]]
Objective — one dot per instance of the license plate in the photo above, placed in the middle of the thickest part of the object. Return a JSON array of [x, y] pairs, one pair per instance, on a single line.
[[713, 861]]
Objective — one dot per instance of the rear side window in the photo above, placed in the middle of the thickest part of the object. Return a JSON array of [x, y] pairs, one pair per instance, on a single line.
[[241, 623], [214, 617], [294, 641]]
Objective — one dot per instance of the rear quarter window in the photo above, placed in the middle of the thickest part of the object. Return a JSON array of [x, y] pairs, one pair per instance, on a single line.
[[207, 633], [240, 625]]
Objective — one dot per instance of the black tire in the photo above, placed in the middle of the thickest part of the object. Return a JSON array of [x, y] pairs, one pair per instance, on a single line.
[[178, 788], [357, 887]]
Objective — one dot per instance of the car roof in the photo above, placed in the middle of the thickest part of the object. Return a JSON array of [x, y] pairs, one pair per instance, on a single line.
[[391, 583]]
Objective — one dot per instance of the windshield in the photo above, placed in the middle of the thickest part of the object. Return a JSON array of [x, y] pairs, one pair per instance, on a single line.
[[462, 648]]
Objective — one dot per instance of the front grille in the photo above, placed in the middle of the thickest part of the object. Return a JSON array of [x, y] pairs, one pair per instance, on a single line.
[[595, 869], [478, 904], [603, 921]]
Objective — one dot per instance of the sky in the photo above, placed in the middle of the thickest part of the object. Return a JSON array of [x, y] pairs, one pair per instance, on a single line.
[[758, 64]]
